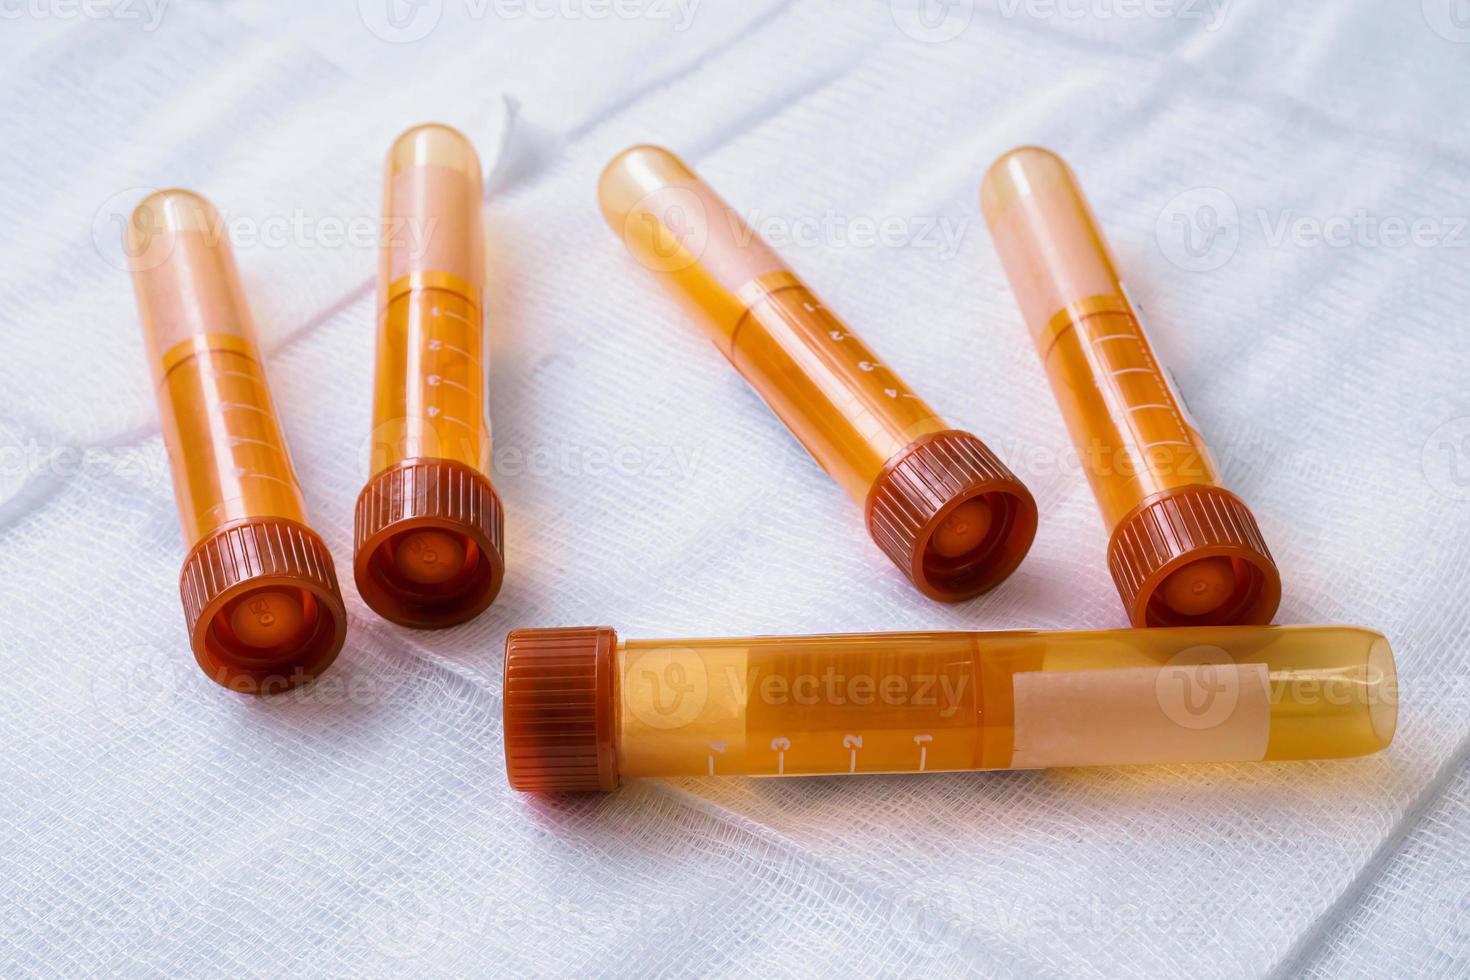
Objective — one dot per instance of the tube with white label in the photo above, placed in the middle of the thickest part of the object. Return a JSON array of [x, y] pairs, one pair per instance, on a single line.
[[585, 709]]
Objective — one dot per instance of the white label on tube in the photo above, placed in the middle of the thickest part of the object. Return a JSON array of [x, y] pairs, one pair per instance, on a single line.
[[1142, 715]]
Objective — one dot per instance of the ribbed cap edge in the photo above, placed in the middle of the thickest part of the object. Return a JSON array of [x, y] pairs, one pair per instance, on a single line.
[[260, 551], [558, 710], [922, 485], [1192, 522], [428, 493]]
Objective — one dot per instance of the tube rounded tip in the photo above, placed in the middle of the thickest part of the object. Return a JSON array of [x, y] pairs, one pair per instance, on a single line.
[[433, 192], [634, 174], [158, 222], [1383, 673], [434, 144], [175, 208], [184, 275], [1334, 693], [1023, 172]]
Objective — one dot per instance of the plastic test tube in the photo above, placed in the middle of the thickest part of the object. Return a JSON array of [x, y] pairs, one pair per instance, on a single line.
[[429, 526], [937, 501], [260, 592], [585, 710], [1184, 550]]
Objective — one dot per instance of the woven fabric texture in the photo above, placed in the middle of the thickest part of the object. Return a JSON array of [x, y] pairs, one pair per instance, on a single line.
[[1285, 186]]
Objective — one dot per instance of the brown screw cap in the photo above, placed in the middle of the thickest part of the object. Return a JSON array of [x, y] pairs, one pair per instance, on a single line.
[[262, 605], [428, 551], [1193, 556], [952, 516], [559, 712]]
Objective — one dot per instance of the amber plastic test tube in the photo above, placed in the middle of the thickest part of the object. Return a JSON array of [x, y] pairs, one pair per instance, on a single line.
[[260, 591], [585, 710], [937, 501], [429, 527], [1184, 550]]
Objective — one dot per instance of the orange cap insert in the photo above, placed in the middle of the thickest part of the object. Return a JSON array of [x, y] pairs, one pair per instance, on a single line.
[[259, 589], [429, 526], [1184, 550], [938, 502]]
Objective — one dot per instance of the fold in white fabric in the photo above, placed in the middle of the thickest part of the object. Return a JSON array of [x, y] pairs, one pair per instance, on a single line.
[[1285, 186]]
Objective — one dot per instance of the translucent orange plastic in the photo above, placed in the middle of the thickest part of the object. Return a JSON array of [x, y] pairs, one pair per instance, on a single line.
[[429, 526], [938, 502], [1184, 550], [584, 710], [259, 590]]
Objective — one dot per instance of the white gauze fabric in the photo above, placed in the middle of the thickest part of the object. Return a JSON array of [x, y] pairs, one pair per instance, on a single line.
[[1250, 161]]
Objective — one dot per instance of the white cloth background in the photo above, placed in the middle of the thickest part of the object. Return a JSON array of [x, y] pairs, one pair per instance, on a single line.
[[150, 821]]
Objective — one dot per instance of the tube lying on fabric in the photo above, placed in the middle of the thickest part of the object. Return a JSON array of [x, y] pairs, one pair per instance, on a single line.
[[1184, 550], [260, 592], [429, 527], [585, 710], [938, 502]]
